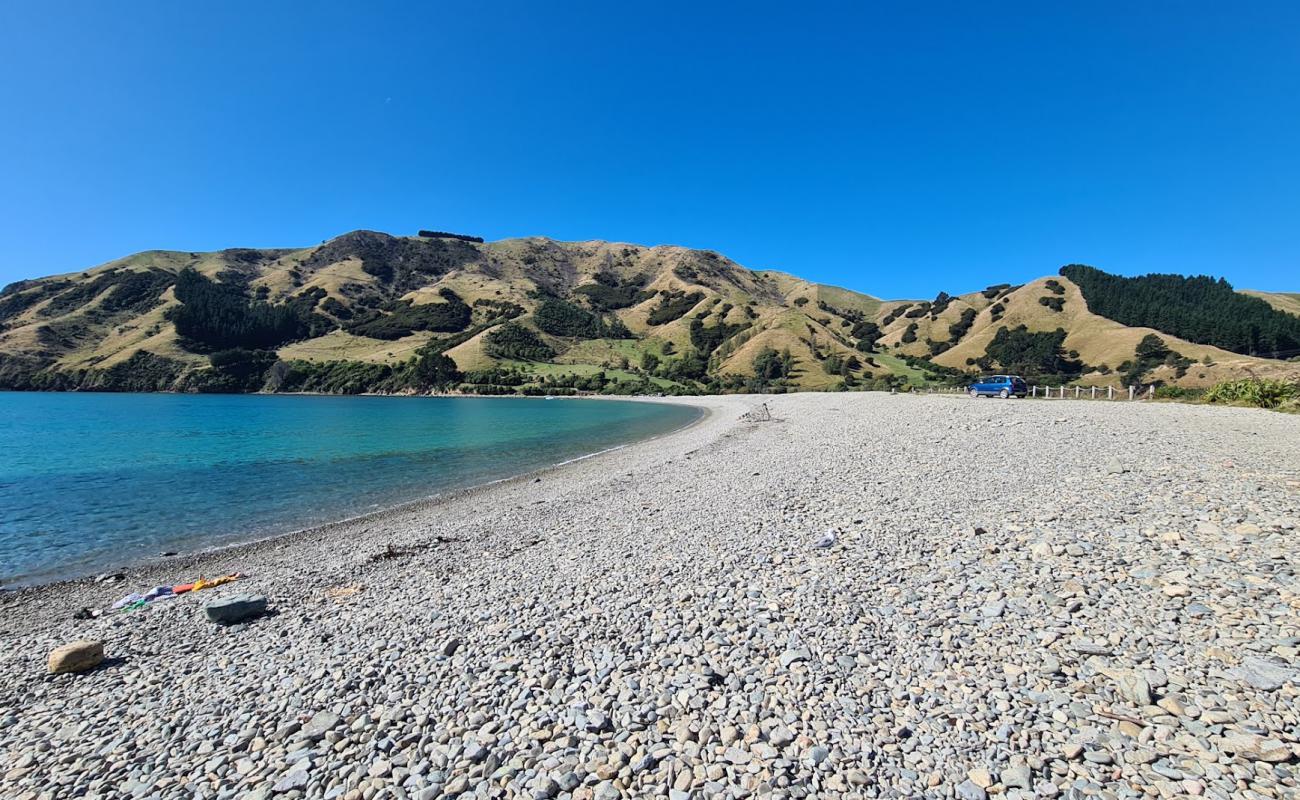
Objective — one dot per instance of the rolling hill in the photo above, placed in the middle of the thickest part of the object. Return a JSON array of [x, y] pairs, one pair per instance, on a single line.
[[367, 311]]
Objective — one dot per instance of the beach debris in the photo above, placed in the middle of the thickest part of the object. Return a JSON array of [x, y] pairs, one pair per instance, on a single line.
[[136, 600], [391, 551], [167, 553], [76, 656], [130, 602], [236, 608], [827, 540], [204, 583], [340, 594], [109, 577], [87, 613]]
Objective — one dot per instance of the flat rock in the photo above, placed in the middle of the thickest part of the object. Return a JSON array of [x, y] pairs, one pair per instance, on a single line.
[[1264, 674], [236, 608], [1256, 748], [322, 722]]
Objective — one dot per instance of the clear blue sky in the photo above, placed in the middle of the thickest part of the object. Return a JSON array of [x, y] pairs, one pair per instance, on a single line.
[[899, 150]]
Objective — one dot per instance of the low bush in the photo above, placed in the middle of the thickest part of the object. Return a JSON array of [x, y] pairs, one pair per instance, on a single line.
[[673, 306], [1255, 392], [513, 340]]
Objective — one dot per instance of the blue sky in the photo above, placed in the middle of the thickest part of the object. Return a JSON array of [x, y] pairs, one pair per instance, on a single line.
[[899, 149]]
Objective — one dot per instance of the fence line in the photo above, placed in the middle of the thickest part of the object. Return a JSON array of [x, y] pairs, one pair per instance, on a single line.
[[1059, 392]]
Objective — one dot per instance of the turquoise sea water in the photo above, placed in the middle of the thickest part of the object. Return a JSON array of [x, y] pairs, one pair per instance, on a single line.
[[89, 481]]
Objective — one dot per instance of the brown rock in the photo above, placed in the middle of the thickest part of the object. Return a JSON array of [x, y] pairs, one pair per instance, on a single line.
[[76, 657]]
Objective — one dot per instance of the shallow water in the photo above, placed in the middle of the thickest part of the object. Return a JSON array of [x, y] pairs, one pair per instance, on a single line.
[[89, 481]]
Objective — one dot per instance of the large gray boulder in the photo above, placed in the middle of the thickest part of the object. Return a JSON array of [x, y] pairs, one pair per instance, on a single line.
[[236, 608]]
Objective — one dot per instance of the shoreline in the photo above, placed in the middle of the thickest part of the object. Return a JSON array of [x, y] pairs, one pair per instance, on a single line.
[[236, 540], [192, 563]]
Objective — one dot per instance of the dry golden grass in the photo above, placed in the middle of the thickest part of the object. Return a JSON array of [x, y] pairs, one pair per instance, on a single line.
[[1282, 301], [1099, 341], [340, 346]]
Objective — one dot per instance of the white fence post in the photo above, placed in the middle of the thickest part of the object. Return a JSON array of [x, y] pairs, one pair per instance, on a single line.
[[1034, 390], [1094, 393], [1110, 392], [1076, 393], [1130, 392], [1151, 391]]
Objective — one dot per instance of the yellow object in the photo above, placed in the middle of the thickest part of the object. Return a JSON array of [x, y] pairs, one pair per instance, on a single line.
[[204, 583]]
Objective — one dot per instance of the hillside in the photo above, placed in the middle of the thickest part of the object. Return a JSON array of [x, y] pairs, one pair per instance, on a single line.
[[368, 311]]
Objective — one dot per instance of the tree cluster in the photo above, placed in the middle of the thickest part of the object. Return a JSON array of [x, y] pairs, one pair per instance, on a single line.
[[561, 318], [1199, 309], [673, 306], [1031, 353], [514, 341], [402, 318], [215, 316]]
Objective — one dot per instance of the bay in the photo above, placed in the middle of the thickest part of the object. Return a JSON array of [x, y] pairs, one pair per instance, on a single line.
[[90, 481]]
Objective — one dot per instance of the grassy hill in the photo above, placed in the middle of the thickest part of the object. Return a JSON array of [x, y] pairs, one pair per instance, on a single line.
[[369, 311]]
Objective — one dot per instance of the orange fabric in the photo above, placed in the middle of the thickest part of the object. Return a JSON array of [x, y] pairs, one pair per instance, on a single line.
[[204, 583]]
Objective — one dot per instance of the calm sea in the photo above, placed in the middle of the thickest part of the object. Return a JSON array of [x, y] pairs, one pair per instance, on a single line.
[[89, 481]]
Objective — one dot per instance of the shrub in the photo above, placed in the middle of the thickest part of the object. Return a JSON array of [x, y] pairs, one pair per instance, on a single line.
[[1054, 303], [707, 339], [435, 371], [403, 318], [560, 318], [332, 306], [513, 340], [673, 306], [608, 294], [1256, 392], [867, 334], [770, 365], [1022, 351], [959, 328]]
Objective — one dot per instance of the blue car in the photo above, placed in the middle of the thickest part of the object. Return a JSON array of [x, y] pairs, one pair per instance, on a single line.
[[1003, 386]]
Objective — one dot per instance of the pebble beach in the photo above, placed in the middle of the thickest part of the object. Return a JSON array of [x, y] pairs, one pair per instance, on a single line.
[[867, 595]]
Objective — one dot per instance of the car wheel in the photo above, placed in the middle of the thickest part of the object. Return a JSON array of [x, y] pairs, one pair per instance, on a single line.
[[1004, 394], [974, 394]]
